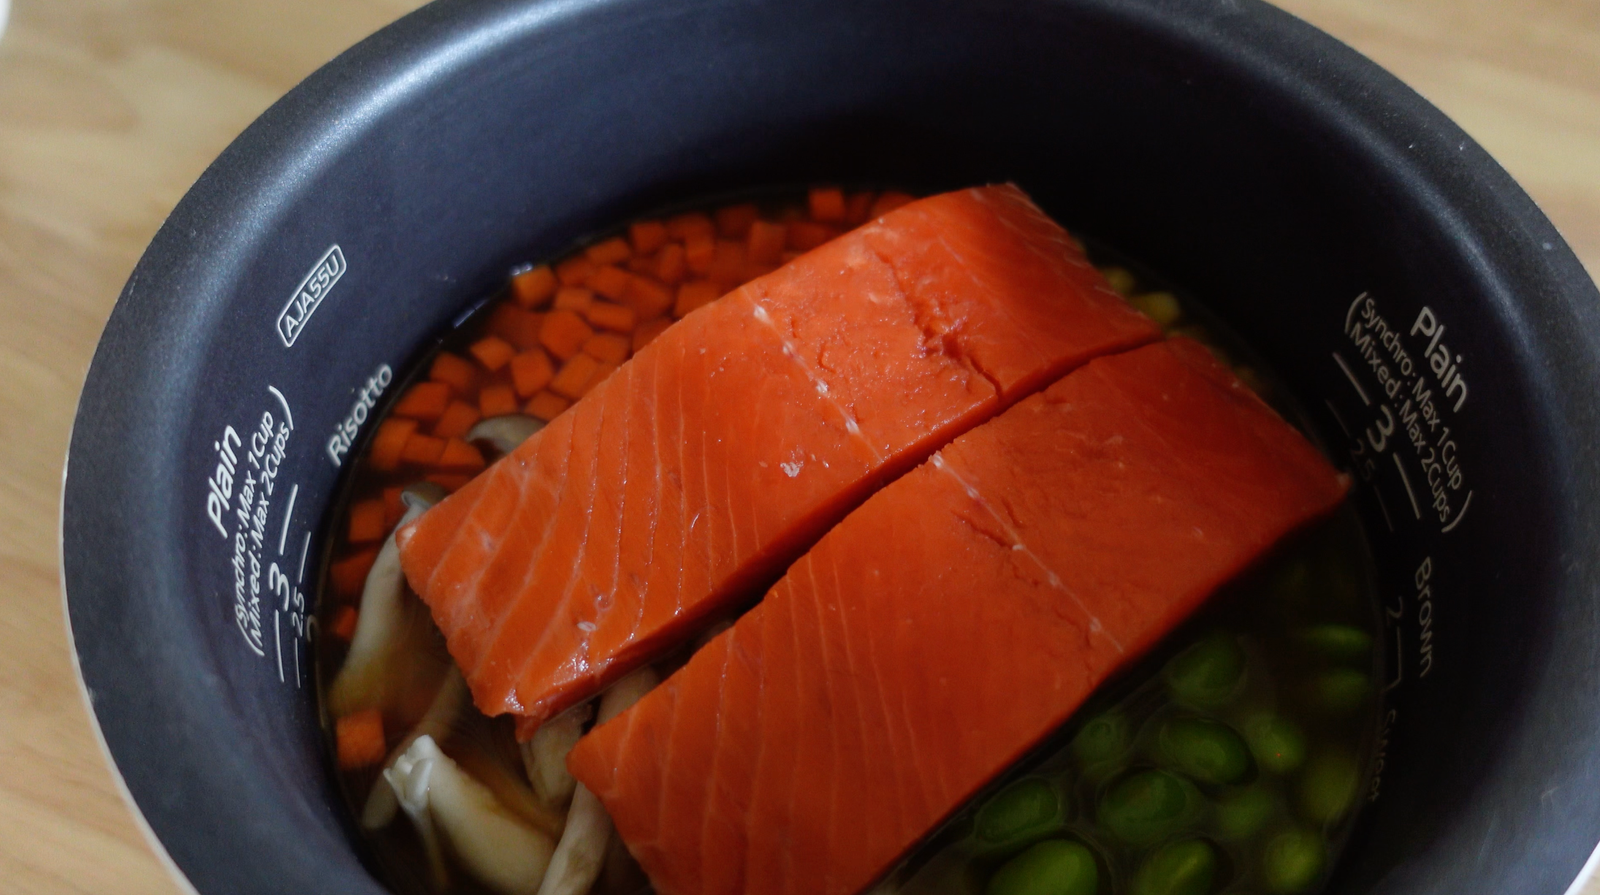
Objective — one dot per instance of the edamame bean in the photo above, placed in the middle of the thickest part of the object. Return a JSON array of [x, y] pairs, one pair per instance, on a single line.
[[1328, 786], [1292, 861], [1277, 743], [1338, 643], [1340, 691], [1180, 868], [1105, 738], [1205, 750], [1147, 806], [1240, 815], [1023, 812], [1052, 867], [1208, 674]]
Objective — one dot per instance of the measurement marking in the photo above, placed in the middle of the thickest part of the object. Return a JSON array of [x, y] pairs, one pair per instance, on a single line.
[[1383, 506], [288, 515], [285, 402], [1352, 377], [1350, 315], [1406, 480], [277, 637], [297, 663], [304, 546], [1337, 418], [1399, 663], [1459, 513]]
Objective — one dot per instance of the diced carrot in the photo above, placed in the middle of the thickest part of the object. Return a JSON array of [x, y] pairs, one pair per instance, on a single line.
[[389, 442], [766, 242], [605, 369], [449, 481], [698, 251], [727, 264], [423, 450], [805, 235], [611, 282], [546, 406], [493, 352], [889, 201], [789, 255], [694, 295], [343, 625], [612, 251], [456, 370], [826, 204], [694, 223], [532, 288], [531, 371], [647, 236], [671, 264], [494, 400], [733, 221], [349, 575], [647, 332], [360, 739], [459, 418], [563, 334], [366, 521], [423, 401], [617, 318], [575, 271], [858, 208], [647, 297], [641, 264], [753, 269], [574, 298], [519, 327], [572, 380], [460, 456], [393, 508], [607, 347]]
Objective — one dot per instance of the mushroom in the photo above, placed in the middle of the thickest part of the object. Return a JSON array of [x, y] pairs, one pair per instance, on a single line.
[[504, 433], [381, 803], [491, 842], [544, 756]]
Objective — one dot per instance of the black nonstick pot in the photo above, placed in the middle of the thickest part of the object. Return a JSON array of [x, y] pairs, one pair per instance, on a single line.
[[1422, 307]]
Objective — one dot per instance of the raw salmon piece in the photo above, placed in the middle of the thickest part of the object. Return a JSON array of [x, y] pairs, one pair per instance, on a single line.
[[949, 624], [682, 485]]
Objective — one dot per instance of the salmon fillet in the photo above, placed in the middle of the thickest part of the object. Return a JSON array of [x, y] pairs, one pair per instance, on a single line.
[[686, 482], [949, 624]]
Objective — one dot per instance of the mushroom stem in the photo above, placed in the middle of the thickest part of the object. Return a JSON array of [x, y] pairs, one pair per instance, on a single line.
[[544, 756], [504, 433], [381, 802]]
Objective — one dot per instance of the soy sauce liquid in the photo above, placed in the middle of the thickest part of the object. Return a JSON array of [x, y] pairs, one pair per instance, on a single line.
[[1301, 630]]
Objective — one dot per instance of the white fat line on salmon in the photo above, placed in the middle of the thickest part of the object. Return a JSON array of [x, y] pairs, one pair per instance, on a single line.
[[1095, 627], [850, 424]]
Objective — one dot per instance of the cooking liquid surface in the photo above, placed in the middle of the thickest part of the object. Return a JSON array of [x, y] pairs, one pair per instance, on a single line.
[[1233, 760]]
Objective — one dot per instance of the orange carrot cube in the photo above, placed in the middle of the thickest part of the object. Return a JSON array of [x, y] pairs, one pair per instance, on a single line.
[[343, 624], [519, 327], [805, 235], [531, 371], [682, 226], [858, 208], [564, 333], [733, 221], [359, 739], [546, 406], [617, 318], [647, 332], [727, 264], [366, 521], [612, 251], [572, 380], [671, 264], [889, 201], [533, 288], [694, 295], [449, 481], [493, 352], [647, 236], [647, 297], [575, 271], [459, 418], [766, 241], [423, 401], [393, 508], [349, 575], [607, 347], [574, 298], [390, 442], [698, 252], [455, 370], [494, 400], [826, 204], [459, 456], [605, 369], [611, 282], [423, 450]]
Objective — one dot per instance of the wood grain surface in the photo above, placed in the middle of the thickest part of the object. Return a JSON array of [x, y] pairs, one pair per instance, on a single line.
[[109, 109]]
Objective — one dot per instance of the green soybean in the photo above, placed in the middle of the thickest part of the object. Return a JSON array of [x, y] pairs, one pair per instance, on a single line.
[[1208, 674], [1205, 750], [1292, 861], [1328, 786], [1277, 743], [1338, 643], [1022, 813], [1148, 806], [1104, 739], [1340, 691], [1052, 867], [1179, 868], [1238, 816]]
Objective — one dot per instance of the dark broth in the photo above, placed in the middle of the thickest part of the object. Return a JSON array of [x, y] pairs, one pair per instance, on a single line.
[[1252, 727]]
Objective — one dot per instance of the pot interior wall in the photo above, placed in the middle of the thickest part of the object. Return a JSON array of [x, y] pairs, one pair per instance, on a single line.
[[1233, 150]]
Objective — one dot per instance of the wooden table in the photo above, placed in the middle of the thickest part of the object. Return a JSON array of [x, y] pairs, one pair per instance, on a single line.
[[109, 109]]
